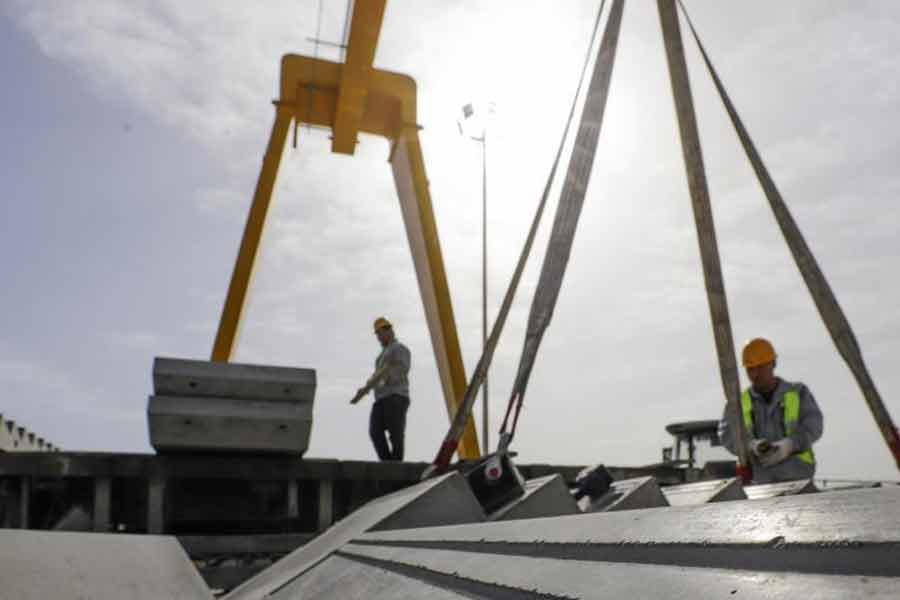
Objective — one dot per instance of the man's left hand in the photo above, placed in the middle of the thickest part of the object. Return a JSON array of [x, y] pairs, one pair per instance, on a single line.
[[780, 452]]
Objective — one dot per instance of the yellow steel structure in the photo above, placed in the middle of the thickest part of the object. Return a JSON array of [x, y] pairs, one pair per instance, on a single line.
[[353, 97]]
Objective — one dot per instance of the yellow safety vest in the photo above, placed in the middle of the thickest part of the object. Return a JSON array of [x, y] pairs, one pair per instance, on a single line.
[[791, 416]]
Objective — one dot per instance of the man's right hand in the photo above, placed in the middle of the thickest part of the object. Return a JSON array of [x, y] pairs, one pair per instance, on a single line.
[[359, 395]]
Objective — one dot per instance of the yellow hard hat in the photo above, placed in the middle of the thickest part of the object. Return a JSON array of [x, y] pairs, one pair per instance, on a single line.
[[381, 323], [758, 352]]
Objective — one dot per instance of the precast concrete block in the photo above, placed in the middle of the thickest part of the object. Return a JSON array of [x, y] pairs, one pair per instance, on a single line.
[[629, 494], [180, 377], [444, 500], [39, 565], [851, 537], [715, 490], [544, 497], [784, 488], [182, 423]]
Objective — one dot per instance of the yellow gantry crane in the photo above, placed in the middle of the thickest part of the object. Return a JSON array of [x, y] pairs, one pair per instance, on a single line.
[[350, 98]]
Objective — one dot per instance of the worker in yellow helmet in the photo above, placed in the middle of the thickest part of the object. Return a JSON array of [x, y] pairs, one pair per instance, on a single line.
[[390, 382], [781, 419]]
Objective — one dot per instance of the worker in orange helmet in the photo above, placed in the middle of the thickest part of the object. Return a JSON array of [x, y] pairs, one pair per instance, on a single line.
[[390, 382], [781, 420]]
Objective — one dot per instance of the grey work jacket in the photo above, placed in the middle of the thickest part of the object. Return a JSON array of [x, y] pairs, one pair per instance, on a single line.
[[396, 380], [768, 424]]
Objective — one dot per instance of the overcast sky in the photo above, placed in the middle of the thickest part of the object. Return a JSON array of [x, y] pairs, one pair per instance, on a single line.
[[132, 138]]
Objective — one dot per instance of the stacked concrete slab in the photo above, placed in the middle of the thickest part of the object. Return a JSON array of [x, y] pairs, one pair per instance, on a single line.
[[38, 565], [15, 437], [838, 545], [207, 406]]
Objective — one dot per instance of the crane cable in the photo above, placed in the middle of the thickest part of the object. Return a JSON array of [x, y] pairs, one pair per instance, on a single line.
[[567, 214], [457, 426], [826, 302]]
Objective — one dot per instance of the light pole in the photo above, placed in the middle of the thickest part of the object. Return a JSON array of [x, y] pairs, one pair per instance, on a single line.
[[469, 112]]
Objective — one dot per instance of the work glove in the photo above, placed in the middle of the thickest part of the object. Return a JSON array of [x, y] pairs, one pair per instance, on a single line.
[[780, 451], [760, 447]]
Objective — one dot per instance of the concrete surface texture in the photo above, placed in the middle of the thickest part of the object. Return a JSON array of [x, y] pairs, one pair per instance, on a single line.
[[41, 565]]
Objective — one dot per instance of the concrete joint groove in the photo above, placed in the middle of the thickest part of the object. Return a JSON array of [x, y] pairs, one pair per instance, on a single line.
[[454, 582], [832, 557]]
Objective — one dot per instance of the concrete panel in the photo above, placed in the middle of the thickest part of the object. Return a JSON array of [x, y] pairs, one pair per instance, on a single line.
[[785, 488], [178, 377], [629, 494], [232, 424], [716, 490], [39, 565], [544, 497], [852, 533], [532, 577], [443, 500]]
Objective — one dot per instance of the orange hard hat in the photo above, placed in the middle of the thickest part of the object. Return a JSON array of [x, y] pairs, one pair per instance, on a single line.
[[757, 352], [381, 323]]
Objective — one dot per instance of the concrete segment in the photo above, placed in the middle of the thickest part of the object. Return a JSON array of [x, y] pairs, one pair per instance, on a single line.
[[537, 576], [629, 494], [854, 533], [232, 424], [443, 500], [178, 377], [544, 497], [716, 490], [39, 565], [785, 488]]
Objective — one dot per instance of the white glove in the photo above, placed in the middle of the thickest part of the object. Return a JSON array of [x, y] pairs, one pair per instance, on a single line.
[[760, 447], [780, 451]]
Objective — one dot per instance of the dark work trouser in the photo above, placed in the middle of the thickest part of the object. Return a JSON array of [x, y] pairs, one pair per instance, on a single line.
[[388, 414]]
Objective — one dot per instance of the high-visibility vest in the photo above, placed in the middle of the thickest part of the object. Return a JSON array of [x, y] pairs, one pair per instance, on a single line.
[[791, 416]]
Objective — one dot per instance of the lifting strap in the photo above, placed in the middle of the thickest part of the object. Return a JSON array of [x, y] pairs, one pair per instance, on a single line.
[[568, 212], [703, 219], [825, 300], [457, 426]]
